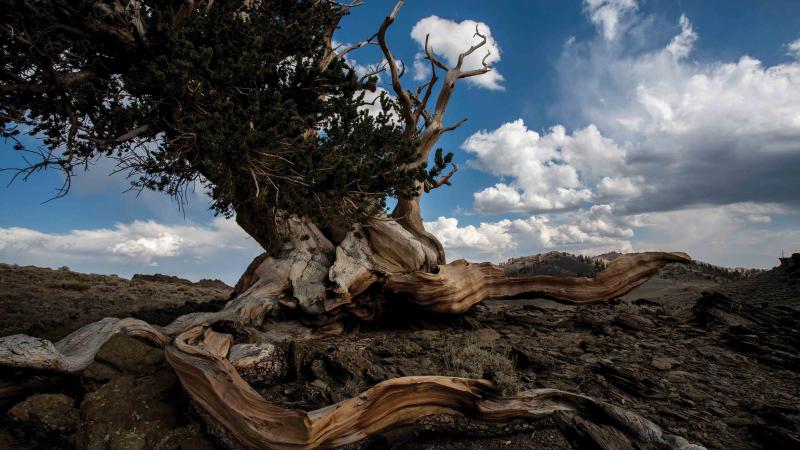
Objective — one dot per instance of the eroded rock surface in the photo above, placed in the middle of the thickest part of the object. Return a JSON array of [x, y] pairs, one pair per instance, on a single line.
[[137, 413], [45, 419]]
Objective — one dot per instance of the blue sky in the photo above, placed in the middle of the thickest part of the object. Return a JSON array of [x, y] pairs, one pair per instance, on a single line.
[[613, 124]]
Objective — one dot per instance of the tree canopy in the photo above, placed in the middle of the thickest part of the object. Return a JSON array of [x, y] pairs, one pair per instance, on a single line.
[[248, 97]]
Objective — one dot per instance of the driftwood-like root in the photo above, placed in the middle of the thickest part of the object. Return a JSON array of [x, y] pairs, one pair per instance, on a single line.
[[457, 286], [76, 351], [244, 419]]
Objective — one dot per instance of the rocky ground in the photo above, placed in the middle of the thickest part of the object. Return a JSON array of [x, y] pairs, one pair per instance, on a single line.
[[53, 303], [710, 357]]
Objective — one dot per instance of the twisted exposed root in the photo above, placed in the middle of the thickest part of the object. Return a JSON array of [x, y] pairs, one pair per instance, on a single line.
[[244, 419], [458, 286], [453, 289], [76, 351]]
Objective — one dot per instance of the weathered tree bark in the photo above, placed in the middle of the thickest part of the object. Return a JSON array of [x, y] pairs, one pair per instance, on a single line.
[[244, 419], [457, 286], [76, 351]]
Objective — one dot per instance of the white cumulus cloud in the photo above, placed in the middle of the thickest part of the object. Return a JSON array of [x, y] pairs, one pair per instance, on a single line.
[[448, 39], [553, 171], [595, 230], [794, 48], [681, 45], [218, 250], [717, 132], [669, 153]]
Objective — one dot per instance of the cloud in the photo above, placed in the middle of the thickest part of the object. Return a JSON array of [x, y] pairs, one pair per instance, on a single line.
[[732, 235], [609, 15], [148, 248], [422, 67], [663, 133], [677, 154], [553, 171], [681, 45], [696, 132], [622, 187], [793, 48], [218, 250], [488, 238], [593, 231], [448, 39]]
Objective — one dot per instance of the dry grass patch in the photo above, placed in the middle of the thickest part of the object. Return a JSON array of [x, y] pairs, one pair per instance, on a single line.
[[464, 357]]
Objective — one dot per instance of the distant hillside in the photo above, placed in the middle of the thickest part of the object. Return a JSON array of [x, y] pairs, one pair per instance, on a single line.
[[51, 303], [553, 263], [569, 265], [702, 270], [607, 257]]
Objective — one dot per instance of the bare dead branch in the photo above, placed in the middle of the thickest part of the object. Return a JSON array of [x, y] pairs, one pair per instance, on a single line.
[[136, 132], [432, 58], [349, 49], [454, 126], [255, 182], [330, 51], [471, 49], [472, 73], [406, 107]]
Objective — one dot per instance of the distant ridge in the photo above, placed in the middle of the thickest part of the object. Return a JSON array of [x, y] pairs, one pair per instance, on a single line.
[[553, 263], [571, 265]]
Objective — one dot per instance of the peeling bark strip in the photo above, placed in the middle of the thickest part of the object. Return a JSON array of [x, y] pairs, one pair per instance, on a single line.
[[244, 419], [458, 286]]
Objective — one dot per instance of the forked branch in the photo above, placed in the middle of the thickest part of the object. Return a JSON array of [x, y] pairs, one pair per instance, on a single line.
[[406, 106]]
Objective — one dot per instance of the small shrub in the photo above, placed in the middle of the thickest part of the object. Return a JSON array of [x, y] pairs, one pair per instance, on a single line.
[[469, 360], [626, 307]]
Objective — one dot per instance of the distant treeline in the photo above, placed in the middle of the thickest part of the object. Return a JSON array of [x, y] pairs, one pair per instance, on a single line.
[[554, 263], [567, 264], [712, 271]]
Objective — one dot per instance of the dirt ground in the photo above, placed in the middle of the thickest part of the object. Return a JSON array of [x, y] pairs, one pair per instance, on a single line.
[[712, 360]]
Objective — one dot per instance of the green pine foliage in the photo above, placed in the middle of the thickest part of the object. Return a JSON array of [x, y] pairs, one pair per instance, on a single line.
[[227, 93]]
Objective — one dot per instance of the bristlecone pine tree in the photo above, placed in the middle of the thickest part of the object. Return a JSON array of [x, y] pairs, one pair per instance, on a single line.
[[252, 99]]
